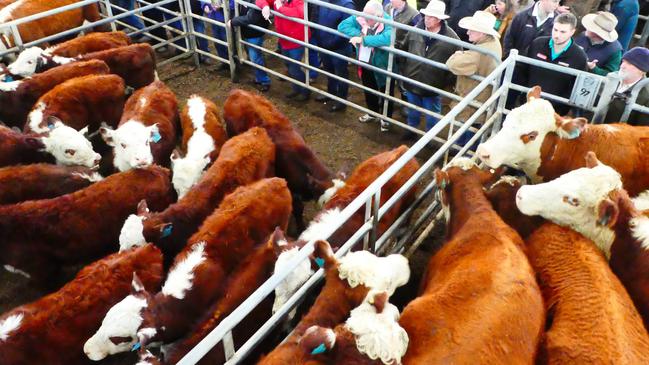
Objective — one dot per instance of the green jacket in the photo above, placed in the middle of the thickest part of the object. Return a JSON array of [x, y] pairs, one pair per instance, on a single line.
[[618, 103]]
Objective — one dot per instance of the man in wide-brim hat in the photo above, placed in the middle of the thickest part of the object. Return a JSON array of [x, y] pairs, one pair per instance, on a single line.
[[600, 43]]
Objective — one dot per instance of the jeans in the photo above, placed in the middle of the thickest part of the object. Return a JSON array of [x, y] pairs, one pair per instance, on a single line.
[[313, 59], [218, 32], [294, 69], [432, 103], [131, 20], [257, 57], [338, 67]]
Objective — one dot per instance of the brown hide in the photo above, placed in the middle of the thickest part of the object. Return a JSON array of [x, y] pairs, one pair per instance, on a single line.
[[480, 302], [591, 319], [83, 101], [37, 236], [213, 126], [360, 179], [92, 42], [244, 219], [134, 63], [625, 150], [243, 159], [41, 181], [346, 352], [15, 105], [502, 196], [55, 327], [16, 147], [53, 24]]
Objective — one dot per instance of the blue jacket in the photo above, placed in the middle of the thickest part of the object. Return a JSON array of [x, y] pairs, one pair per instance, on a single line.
[[330, 18], [217, 14], [626, 12]]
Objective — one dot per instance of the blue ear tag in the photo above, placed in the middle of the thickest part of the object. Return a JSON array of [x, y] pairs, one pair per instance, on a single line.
[[574, 133], [136, 346], [50, 126], [155, 137], [320, 262], [318, 350], [8, 78], [166, 231]]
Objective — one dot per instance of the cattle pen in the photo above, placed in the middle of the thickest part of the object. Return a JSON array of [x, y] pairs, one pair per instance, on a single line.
[[336, 138]]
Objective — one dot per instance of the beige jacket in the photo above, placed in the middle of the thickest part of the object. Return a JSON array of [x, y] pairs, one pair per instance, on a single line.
[[467, 63]]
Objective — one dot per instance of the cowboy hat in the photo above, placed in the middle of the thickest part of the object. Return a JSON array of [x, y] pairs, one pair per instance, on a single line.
[[601, 23], [435, 8], [481, 21]]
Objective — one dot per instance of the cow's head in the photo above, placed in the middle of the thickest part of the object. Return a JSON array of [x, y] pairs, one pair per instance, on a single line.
[[187, 171], [118, 331], [317, 340], [131, 144], [133, 230], [27, 63], [70, 146], [579, 199], [518, 143]]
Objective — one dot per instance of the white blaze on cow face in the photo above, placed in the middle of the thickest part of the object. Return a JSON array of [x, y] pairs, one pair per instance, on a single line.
[[329, 193], [132, 234], [188, 170], [518, 143], [378, 273], [573, 200], [70, 147], [27, 62], [131, 144], [181, 275], [9, 325], [378, 335], [293, 281], [118, 331]]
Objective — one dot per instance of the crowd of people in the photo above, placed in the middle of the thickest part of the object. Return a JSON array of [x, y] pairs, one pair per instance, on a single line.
[[592, 36]]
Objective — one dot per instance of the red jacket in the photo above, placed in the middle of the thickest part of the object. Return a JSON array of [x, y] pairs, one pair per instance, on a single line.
[[289, 28]]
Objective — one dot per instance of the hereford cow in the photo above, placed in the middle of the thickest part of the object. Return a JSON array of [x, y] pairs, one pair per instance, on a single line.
[[203, 136], [58, 324], [135, 63], [243, 159], [307, 176], [42, 181], [38, 236], [545, 146], [586, 303], [479, 299], [16, 148], [43, 27], [18, 97], [244, 219], [502, 195], [347, 283], [147, 131]]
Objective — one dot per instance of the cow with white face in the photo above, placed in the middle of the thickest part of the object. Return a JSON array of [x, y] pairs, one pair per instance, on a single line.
[[131, 144], [33, 60], [69, 146], [579, 199]]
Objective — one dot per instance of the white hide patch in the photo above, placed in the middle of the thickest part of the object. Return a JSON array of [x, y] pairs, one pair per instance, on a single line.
[[181, 275], [378, 273], [640, 230], [146, 333], [9, 86], [378, 335], [9, 325], [5, 13], [62, 60], [17, 271], [292, 281], [330, 340], [35, 118], [641, 202], [196, 110], [131, 145], [464, 163], [131, 234], [610, 128], [26, 62], [187, 171], [122, 320], [321, 224], [144, 359], [555, 200], [93, 177], [62, 140], [329, 193], [509, 180]]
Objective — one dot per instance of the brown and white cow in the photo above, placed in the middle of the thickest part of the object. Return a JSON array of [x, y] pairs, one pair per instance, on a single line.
[[544, 145], [147, 131], [479, 301], [243, 220], [203, 136], [136, 63], [17, 147], [18, 97], [52, 330]]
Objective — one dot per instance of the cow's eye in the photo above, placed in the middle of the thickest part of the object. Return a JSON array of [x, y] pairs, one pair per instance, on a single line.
[[572, 201], [123, 145], [70, 152], [529, 137]]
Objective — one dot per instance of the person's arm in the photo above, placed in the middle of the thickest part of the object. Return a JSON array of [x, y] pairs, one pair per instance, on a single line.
[[263, 3], [464, 63], [350, 27], [611, 66], [508, 42], [379, 40]]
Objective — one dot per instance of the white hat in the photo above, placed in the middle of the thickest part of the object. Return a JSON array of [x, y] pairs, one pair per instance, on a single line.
[[602, 23], [481, 21], [435, 8]]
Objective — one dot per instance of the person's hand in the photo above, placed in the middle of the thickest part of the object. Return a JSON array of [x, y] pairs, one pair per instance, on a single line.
[[492, 9], [592, 64], [229, 24], [278, 4], [207, 9], [265, 12], [563, 9], [356, 40]]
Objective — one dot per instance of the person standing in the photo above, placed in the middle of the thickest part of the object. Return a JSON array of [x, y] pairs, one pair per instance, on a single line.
[[626, 12], [599, 41], [634, 68], [560, 50], [214, 10], [433, 49], [132, 19], [529, 24]]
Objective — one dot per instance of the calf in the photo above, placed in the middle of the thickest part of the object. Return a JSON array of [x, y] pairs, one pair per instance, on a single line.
[[545, 146], [586, 303], [244, 219], [243, 159], [38, 236], [479, 301], [150, 115], [58, 324], [18, 97], [16, 148], [135, 63], [42, 181], [347, 283], [307, 176], [203, 136]]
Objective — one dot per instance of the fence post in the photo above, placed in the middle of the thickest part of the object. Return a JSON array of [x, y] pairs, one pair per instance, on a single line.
[[644, 36], [368, 214], [228, 346], [388, 79], [306, 40], [507, 80], [188, 24], [375, 220], [237, 40], [18, 41], [610, 85], [229, 37], [632, 99], [109, 14]]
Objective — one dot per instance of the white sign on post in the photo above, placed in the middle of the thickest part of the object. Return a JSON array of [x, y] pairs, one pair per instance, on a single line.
[[585, 90]]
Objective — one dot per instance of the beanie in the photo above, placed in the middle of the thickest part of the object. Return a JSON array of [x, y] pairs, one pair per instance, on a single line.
[[638, 57]]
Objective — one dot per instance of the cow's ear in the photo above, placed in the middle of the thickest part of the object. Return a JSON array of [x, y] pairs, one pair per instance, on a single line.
[[607, 213], [175, 154], [35, 143], [278, 240], [442, 179], [591, 159], [136, 284], [107, 136], [379, 300], [323, 254], [142, 208], [534, 93], [317, 340], [571, 128]]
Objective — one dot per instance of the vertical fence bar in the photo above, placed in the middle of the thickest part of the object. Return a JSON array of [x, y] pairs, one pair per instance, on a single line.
[[18, 41], [388, 79], [375, 220], [237, 35], [306, 40], [188, 24], [228, 346], [507, 81], [368, 214], [109, 14], [229, 36], [610, 85]]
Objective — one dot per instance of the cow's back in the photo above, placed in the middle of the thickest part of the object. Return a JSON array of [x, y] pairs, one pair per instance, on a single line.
[[50, 25], [93, 42], [134, 63], [15, 148]]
